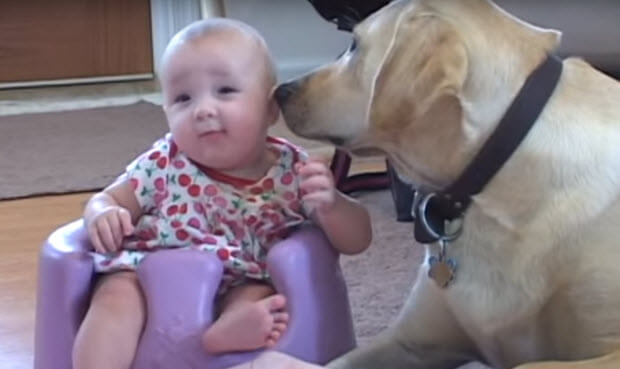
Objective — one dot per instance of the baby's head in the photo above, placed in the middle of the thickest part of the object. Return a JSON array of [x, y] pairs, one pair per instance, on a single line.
[[217, 78], [227, 33]]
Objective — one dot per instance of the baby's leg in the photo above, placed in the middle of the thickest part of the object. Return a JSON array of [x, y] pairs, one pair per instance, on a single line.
[[109, 334], [252, 316]]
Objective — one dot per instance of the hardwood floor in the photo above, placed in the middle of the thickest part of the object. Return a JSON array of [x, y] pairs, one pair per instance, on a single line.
[[25, 224]]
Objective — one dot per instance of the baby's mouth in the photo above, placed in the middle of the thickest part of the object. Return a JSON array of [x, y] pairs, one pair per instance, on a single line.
[[211, 133]]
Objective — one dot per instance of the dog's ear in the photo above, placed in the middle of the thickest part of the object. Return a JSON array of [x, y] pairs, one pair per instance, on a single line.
[[424, 69]]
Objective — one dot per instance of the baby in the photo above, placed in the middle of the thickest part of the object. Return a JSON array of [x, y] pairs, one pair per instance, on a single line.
[[218, 183]]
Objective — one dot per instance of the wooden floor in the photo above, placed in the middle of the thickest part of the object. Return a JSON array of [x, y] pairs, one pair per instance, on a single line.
[[24, 225]]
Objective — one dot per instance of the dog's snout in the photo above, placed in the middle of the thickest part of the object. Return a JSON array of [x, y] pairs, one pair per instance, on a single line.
[[285, 91]]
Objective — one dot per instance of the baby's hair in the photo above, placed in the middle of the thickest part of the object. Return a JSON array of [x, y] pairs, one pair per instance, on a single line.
[[211, 26]]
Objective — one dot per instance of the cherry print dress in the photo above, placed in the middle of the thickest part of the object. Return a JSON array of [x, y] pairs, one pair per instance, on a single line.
[[200, 208]]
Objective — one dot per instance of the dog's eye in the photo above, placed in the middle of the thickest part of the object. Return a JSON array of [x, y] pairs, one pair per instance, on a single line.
[[353, 46]]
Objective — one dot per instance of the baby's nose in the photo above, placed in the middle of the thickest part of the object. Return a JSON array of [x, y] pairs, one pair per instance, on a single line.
[[205, 109]]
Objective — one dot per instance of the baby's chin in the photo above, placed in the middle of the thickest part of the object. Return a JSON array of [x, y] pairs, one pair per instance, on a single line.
[[224, 164]]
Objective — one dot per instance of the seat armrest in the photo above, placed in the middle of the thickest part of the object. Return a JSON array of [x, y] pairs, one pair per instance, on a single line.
[[63, 291], [306, 269]]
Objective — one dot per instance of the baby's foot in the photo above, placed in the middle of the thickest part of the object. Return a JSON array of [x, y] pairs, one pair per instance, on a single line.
[[248, 326]]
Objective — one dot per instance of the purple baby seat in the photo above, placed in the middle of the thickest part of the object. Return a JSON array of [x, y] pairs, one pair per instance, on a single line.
[[180, 286]]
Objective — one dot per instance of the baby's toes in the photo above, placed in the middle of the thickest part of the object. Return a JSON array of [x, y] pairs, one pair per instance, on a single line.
[[279, 327], [273, 338], [280, 317], [275, 303]]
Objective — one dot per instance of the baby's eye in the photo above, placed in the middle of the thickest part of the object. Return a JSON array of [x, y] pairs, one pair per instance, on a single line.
[[227, 90], [181, 98]]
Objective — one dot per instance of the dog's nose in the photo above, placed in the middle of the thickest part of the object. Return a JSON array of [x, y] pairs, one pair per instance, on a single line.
[[284, 92]]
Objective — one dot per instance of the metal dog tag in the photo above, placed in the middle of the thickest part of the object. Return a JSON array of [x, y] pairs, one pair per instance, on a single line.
[[442, 271]]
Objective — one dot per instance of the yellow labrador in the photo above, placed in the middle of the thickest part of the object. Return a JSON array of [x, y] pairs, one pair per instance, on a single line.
[[538, 279]]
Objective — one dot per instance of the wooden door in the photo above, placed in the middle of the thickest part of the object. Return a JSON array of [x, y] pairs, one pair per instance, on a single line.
[[59, 39]]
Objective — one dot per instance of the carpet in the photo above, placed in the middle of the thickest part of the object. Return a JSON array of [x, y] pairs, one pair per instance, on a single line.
[[81, 150], [380, 278], [49, 153]]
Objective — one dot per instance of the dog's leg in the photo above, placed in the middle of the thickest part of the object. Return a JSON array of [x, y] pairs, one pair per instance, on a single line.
[[611, 361], [426, 335]]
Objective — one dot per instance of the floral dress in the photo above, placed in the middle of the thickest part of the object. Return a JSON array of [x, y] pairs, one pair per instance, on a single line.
[[200, 208]]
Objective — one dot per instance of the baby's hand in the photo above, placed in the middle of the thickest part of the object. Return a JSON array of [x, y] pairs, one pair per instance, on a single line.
[[318, 192], [108, 228]]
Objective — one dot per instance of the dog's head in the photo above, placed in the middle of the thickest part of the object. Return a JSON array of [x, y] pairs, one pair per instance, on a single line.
[[400, 87]]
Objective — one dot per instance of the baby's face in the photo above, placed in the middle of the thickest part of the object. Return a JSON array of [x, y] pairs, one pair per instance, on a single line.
[[217, 100]]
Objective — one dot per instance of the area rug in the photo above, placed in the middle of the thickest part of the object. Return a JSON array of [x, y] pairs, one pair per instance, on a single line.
[[380, 278], [80, 150]]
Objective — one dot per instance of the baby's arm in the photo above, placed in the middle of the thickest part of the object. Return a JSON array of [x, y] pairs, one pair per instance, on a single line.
[[344, 220], [110, 214]]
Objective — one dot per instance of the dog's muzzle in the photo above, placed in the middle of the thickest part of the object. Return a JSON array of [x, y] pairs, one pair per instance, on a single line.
[[284, 92]]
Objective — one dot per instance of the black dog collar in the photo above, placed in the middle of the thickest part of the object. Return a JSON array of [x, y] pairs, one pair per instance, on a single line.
[[432, 211]]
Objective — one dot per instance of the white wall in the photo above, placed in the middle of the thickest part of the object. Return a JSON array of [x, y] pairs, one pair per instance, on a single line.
[[297, 36], [301, 40], [168, 17], [590, 28]]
